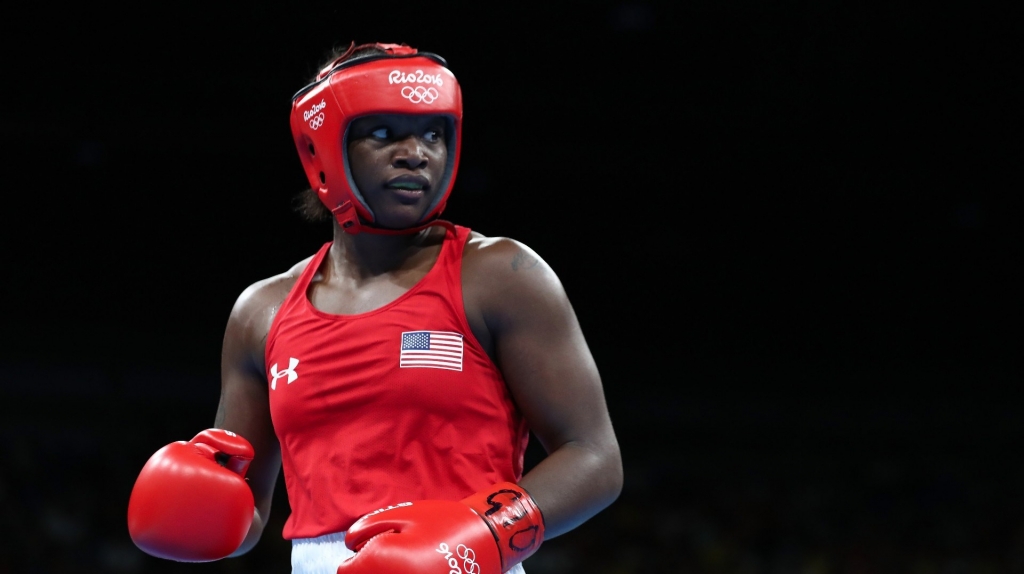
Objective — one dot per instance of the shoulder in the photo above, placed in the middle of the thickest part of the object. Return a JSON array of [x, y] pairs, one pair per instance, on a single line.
[[257, 304], [502, 255], [245, 336], [501, 271]]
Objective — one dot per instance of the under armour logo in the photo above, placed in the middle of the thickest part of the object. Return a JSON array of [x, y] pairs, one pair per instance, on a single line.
[[290, 371]]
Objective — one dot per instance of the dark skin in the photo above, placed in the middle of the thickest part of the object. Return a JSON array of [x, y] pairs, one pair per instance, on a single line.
[[516, 306]]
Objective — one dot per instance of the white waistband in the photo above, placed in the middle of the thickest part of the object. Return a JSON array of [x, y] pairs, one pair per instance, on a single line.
[[323, 554], [320, 555]]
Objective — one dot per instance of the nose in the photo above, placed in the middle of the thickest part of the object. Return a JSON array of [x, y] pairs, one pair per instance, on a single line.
[[409, 154]]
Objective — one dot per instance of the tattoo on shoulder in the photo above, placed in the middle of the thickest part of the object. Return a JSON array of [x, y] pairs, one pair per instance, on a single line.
[[524, 260]]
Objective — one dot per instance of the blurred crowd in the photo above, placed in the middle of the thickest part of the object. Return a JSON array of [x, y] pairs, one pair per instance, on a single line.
[[696, 500]]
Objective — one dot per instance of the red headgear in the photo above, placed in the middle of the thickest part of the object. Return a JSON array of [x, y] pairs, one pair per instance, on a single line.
[[402, 80]]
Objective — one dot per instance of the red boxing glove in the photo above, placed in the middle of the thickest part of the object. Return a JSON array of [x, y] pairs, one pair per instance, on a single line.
[[488, 532], [191, 503]]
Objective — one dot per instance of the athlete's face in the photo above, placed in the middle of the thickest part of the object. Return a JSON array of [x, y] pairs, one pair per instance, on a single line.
[[397, 162]]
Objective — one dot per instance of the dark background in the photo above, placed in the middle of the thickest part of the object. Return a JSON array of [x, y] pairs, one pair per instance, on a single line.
[[789, 230]]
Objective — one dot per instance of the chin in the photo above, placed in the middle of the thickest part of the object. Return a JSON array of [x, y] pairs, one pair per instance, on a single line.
[[400, 219], [396, 224]]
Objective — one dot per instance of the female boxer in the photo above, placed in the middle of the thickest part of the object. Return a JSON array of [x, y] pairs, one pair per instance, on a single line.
[[394, 375]]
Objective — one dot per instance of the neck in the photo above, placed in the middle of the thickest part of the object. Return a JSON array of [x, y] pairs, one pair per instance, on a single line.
[[373, 254]]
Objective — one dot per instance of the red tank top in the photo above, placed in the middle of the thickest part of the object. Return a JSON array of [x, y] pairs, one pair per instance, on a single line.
[[396, 404]]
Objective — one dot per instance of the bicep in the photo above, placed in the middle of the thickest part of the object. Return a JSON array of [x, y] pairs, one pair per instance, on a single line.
[[547, 363]]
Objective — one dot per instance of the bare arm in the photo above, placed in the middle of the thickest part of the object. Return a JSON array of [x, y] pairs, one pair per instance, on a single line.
[[539, 346], [244, 406]]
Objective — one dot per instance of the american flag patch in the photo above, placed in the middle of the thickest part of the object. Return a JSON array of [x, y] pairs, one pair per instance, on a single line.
[[431, 350]]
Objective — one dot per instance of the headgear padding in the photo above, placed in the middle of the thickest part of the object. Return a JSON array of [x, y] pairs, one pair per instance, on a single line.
[[399, 81]]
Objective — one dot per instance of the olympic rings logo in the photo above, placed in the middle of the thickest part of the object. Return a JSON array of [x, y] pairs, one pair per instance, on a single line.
[[419, 94], [469, 559], [317, 121], [468, 556]]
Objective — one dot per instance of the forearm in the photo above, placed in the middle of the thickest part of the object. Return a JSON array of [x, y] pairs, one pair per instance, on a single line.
[[255, 531], [574, 483]]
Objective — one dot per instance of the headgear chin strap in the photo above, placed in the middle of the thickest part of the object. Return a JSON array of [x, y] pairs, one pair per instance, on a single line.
[[402, 80]]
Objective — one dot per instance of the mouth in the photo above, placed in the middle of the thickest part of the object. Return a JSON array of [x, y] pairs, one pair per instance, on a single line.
[[410, 187]]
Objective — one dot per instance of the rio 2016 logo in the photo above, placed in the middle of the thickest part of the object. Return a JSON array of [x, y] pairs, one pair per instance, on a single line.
[[417, 77], [312, 111], [315, 118]]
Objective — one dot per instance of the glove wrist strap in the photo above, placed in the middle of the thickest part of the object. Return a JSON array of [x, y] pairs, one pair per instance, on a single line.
[[514, 519]]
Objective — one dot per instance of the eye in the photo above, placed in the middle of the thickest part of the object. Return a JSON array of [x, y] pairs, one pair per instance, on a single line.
[[381, 133], [432, 136]]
